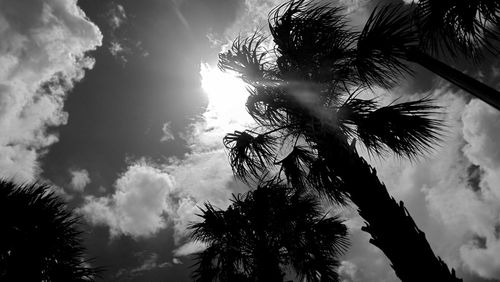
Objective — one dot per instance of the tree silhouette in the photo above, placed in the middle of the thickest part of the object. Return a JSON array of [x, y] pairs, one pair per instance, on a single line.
[[41, 241], [303, 96], [266, 232]]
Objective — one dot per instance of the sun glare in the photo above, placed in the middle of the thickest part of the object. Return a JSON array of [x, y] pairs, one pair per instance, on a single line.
[[226, 93]]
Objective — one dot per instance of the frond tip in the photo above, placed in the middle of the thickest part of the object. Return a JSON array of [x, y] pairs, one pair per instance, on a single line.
[[250, 153]]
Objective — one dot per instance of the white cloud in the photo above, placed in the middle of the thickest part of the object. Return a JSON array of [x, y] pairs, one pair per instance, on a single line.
[[149, 262], [167, 132], [42, 54], [79, 179], [117, 15], [137, 206], [347, 271]]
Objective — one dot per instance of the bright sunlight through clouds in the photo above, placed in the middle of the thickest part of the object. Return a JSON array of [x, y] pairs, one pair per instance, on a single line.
[[227, 95]]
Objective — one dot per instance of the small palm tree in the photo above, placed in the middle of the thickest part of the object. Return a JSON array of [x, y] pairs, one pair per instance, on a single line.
[[303, 95], [41, 241], [266, 233]]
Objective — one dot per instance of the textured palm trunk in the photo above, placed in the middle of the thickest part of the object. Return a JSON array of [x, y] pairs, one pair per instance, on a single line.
[[467, 83], [390, 225]]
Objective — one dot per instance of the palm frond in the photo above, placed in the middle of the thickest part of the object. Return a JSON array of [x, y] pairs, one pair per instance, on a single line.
[[312, 40], [382, 44], [316, 257], [326, 182], [459, 27], [295, 165], [268, 105], [42, 240], [407, 129], [246, 57], [249, 153]]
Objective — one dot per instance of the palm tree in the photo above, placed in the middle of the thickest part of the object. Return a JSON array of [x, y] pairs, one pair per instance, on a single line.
[[266, 232], [41, 241], [303, 96]]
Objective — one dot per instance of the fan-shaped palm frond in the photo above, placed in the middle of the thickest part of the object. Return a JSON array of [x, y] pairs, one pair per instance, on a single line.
[[270, 228], [249, 153], [41, 240], [382, 46], [248, 56], [458, 27], [294, 165], [300, 29], [407, 129]]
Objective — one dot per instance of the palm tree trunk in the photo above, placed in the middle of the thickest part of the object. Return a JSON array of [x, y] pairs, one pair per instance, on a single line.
[[390, 225], [467, 83]]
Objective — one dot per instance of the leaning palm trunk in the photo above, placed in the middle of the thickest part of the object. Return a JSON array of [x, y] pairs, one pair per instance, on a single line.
[[465, 82], [390, 225]]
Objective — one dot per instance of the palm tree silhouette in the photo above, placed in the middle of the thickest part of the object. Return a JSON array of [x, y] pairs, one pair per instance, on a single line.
[[303, 96], [266, 232], [41, 241]]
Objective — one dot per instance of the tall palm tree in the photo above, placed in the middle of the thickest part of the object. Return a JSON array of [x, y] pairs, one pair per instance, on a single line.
[[41, 241], [266, 232], [303, 95]]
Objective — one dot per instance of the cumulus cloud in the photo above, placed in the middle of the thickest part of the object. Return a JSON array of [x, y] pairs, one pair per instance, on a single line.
[[79, 179], [42, 55], [137, 206]]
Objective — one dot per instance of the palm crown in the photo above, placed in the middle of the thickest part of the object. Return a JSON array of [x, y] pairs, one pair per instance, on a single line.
[[41, 240], [265, 231], [306, 92]]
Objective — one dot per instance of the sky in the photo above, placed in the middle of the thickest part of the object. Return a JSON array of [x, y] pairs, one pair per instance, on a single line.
[[114, 103]]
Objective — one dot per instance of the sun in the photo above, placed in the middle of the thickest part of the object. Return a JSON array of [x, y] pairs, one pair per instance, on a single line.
[[227, 94]]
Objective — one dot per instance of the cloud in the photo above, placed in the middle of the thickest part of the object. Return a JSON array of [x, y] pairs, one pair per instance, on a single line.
[[149, 262], [42, 55], [120, 45], [481, 131], [117, 15], [79, 179], [167, 132], [347, 271], [137, 206]]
